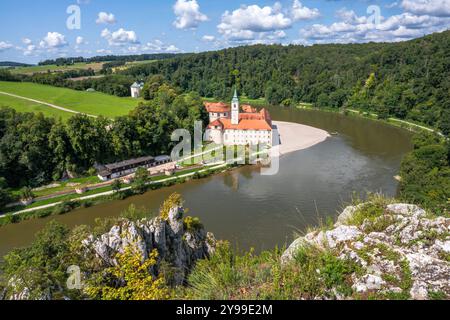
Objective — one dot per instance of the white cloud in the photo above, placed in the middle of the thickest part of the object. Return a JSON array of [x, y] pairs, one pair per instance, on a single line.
[[253, 19], [258, 24], [26, 41], [391, 5], [5, 46], [437, 8], [155, 46], [120, 37], [208, 38], [106, 18], [53, 40], [172, 49], [104, 51], [188, 15], [30, 50], [353, 28], [80, 40], [300, 12]]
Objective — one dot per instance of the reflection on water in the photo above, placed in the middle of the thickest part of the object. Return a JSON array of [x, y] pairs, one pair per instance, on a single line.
[[257, 211]]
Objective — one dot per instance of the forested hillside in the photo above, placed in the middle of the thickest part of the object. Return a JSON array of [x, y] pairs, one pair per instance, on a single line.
[[408, 80]]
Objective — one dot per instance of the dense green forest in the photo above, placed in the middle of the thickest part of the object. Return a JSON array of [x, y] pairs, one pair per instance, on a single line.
[[108, 58], [407, 80], [425, 173], [35, 150], [13, 64]]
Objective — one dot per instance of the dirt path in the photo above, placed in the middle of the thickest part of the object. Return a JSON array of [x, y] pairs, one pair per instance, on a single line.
[[44, 103]]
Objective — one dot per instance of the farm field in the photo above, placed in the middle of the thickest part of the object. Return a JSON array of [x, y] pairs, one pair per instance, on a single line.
[[54, 68], [92, 103], [133, 64]]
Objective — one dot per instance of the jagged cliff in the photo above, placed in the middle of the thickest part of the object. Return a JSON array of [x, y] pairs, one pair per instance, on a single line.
[[177, 240], [177, 244]]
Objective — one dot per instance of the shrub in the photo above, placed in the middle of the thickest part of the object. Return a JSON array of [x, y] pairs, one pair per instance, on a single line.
[[192, 224], [174, 200]]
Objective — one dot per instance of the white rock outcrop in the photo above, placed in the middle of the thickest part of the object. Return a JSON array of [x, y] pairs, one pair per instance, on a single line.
[[178, 247], [403, 250]]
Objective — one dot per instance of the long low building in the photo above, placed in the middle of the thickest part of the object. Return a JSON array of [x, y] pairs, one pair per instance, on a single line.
[[127, 167]]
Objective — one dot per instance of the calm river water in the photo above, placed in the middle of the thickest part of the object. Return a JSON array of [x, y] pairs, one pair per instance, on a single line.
[[257, 211]]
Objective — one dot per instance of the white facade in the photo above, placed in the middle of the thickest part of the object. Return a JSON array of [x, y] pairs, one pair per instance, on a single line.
[[245, 137], [136, 89], [213, 116], [230, 128], [215, 135]]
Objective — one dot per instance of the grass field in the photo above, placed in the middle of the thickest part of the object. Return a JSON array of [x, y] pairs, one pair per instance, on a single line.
[[54, 68], [28, 106], [93, 103]]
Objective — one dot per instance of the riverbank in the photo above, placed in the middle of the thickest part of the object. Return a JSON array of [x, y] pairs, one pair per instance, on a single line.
[[295, 137], [101, 195], [414, 127]]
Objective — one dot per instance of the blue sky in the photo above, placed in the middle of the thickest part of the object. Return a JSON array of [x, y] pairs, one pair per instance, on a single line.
[[31, 31]]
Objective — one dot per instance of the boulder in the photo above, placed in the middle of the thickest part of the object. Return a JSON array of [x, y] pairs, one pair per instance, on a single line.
[[409, 257]]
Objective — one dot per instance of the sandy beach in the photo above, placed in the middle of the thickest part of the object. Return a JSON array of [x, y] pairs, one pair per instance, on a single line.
[[294, 137]]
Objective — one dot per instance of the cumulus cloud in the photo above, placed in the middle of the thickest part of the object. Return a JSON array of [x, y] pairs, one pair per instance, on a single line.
[[437, 8], [30, 50], [256, 24], [172, 49], [106, 18], [53, 40], [120, 37], [158, 46], [188, 15], [300, 12], [5, 46], [354, 28], [254, 19], [26, 41], [80, 40], [208, 38], [104, 51]]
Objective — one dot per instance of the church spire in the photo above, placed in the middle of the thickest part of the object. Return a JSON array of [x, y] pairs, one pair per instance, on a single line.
[[235, 108]]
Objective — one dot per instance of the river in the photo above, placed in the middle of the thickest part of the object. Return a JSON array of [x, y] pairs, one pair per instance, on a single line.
[[251, 210]]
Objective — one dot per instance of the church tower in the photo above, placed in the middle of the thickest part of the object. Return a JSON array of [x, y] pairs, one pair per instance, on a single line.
[[235, 109]]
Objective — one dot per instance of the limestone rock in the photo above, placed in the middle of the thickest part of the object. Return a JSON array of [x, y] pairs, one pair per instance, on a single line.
[[176, 246], [409, 256]]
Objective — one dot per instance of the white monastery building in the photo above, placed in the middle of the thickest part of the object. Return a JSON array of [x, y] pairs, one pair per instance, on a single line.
[[136, 89], [229, 126]]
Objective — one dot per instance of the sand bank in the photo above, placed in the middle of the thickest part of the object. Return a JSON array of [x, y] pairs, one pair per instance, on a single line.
[[294, 137]]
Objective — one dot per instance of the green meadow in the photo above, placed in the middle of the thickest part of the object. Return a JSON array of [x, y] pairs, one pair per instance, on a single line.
[[93, 103]]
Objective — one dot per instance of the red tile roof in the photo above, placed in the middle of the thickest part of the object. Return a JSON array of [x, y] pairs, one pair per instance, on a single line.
[[217, 107], [249, 109], [246, 125], [251, 119]]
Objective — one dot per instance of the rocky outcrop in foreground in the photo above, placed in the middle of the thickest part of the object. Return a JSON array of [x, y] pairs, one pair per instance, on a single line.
[[399, 250], [177, 245]]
